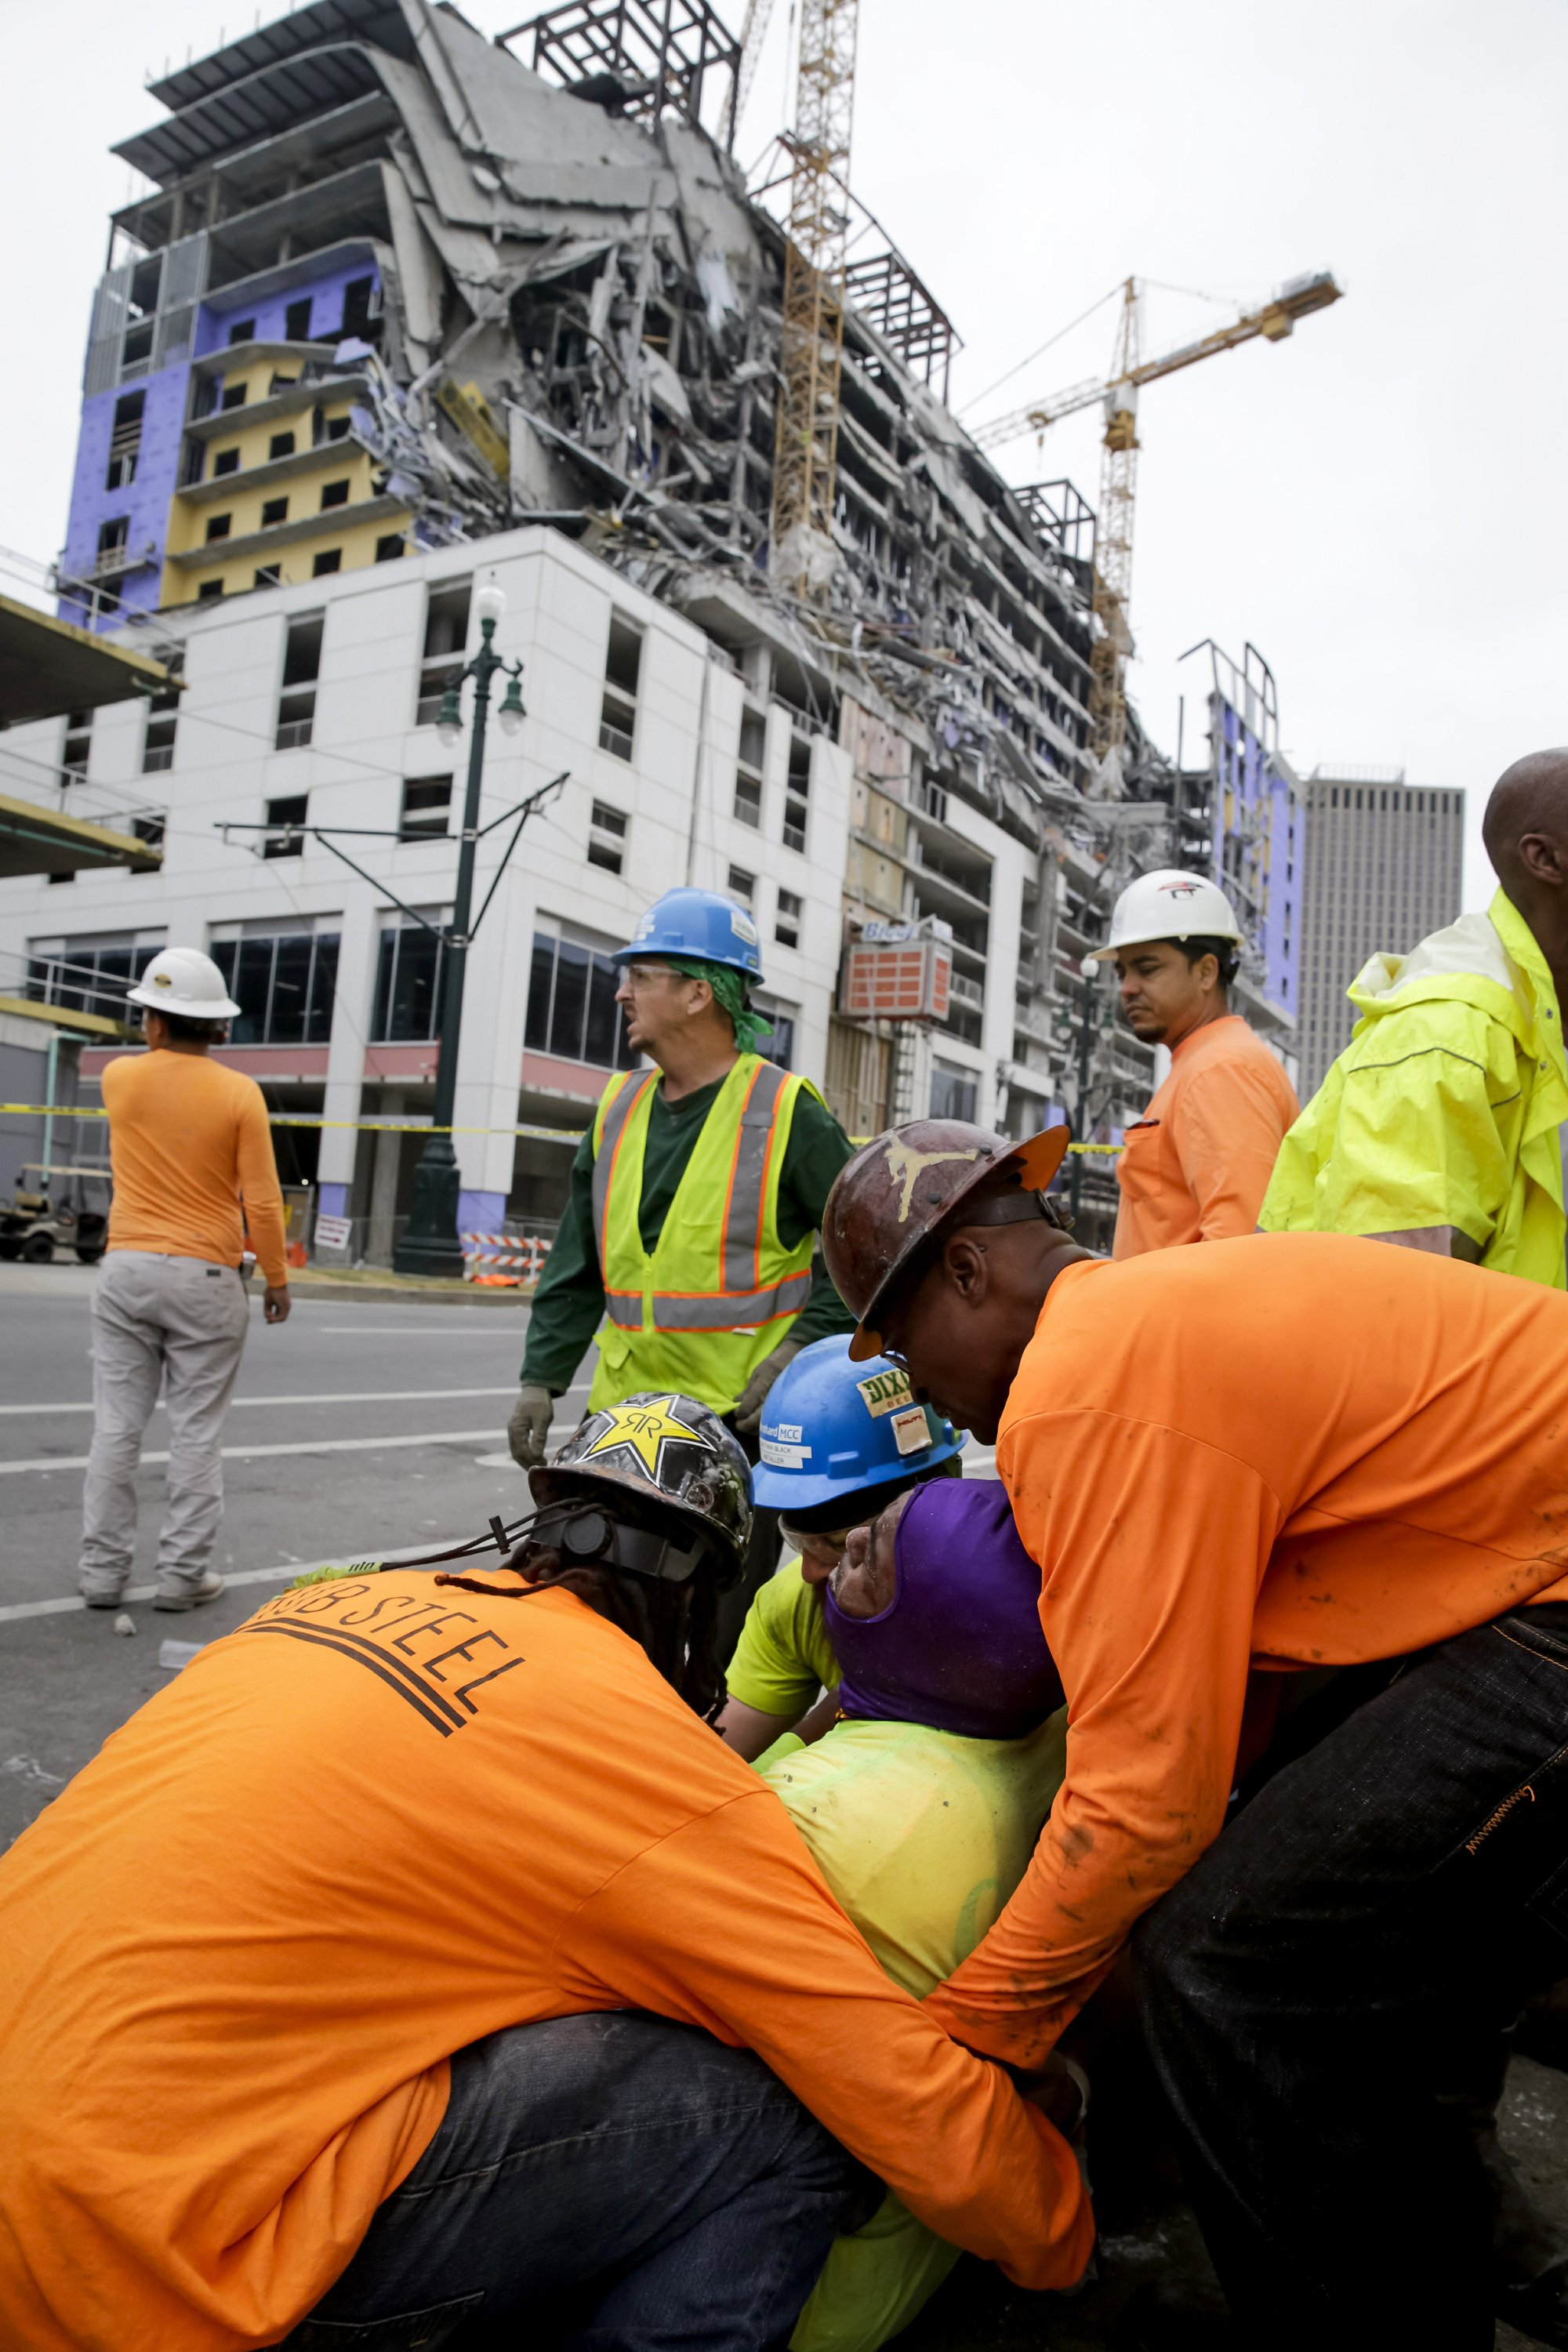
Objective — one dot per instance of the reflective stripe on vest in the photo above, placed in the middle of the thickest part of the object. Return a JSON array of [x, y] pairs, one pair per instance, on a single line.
[[612, 1128]]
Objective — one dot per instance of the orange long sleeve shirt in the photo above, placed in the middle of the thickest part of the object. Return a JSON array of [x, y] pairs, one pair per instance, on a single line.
[[188, 1142], [1295, 1449], [380, 1820], [1196, 1167]]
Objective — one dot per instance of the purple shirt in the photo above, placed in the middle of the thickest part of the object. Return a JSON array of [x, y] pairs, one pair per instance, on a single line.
[[959, 1646]]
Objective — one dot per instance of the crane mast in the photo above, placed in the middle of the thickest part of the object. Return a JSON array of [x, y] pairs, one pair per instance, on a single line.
[[805, 444], [1112, 637]]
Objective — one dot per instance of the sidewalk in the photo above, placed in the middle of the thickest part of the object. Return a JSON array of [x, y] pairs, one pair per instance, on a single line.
[[66, 1278]]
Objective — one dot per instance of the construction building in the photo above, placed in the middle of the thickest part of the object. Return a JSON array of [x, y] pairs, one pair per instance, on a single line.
[[1384, 867], [402, 305]]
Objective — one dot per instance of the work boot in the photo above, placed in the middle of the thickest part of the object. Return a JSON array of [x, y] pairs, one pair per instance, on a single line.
[[99, 1597], [188, 1596]]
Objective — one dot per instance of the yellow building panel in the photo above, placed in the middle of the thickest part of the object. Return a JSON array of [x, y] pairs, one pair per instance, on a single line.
[[253, 444], [258, 504], [294, 561]]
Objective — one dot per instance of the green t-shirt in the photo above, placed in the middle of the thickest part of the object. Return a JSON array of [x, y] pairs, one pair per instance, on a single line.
[[784, 1656], [570, 1299]]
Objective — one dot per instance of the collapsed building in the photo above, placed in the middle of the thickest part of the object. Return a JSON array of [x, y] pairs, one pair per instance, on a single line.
[[398, 287]]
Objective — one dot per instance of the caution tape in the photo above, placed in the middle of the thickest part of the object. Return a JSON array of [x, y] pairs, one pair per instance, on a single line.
[[305, 1118], [1099, 1150]]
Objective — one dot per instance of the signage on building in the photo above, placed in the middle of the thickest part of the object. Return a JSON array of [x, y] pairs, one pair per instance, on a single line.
[[903, 979]]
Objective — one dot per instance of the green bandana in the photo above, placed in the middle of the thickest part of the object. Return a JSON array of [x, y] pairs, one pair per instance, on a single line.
[[730, 995]]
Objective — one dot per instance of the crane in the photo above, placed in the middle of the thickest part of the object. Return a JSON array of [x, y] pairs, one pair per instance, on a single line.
[[1112, 639], [806, 438]]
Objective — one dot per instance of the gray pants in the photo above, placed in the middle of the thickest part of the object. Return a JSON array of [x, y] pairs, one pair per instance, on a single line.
[[181, 1321]]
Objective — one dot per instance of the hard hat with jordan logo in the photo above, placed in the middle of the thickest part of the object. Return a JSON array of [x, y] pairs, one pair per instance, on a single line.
[[702, 925], [1169, 905], [659, 1457], [889, 1201], [186, 982]]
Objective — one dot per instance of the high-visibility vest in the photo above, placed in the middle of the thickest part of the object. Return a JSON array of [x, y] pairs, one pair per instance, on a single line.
[[720, 1290]]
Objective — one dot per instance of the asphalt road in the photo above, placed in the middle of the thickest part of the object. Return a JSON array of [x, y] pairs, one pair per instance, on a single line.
[[363, 1427]]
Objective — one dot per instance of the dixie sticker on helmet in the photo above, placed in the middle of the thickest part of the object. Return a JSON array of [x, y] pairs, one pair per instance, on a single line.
[[885, 1393]]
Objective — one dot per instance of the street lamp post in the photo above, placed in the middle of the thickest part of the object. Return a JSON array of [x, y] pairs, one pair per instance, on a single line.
[[430, 1244]]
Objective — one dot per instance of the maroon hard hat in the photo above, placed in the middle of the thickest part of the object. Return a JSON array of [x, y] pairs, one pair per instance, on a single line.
[[889, 1199]]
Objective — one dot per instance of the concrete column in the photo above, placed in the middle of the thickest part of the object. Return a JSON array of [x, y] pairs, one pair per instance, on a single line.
[[352, 1010], [389, 1147]]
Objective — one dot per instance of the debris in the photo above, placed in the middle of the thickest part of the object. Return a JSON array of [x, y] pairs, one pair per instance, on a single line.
[[125, 1623], [173, 1655], [28, 1768]]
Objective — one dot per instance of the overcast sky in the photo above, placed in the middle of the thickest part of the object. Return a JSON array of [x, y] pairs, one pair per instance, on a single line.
[[1378, 503]]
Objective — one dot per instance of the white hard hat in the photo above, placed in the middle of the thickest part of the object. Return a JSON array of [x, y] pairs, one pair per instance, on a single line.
[[1168, 905], [184, 981]]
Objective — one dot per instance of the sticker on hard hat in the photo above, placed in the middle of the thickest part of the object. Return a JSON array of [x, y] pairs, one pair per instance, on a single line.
[[885, 1393], [161, 980], [911, 1430], [1179, 889], [742, 926], [780, 1457], [904, 1166]]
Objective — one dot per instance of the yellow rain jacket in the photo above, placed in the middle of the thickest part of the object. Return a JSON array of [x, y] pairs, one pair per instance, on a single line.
[[1446, 1107]]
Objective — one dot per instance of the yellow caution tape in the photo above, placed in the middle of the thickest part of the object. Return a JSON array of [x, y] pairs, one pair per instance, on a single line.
[[1101, 1150], [300, 1118]]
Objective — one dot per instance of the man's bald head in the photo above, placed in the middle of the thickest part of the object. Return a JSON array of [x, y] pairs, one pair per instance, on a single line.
[[1526, 826]]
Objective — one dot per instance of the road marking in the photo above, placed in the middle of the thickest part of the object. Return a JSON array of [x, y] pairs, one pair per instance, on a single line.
[[405, 1330], [299, 1445], [332, 1396], [284, 1574]]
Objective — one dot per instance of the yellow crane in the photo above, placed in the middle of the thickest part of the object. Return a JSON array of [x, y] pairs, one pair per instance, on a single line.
[[805, 439], [1112, 639]]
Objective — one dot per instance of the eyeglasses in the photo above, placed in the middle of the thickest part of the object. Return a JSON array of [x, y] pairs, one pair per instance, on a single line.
[[822, 1546], [640, 976]]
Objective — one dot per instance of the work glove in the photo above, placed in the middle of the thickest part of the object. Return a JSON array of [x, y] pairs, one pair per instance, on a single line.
[[530, 1424], [753, 1396]]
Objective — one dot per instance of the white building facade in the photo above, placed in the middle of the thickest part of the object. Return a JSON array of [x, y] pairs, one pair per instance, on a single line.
[[685, 760]]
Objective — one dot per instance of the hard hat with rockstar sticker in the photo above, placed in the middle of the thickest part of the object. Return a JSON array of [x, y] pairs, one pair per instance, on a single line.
[[660, 1457], [701, 925], [888, 1204], [832, 1428], [1168, 905]]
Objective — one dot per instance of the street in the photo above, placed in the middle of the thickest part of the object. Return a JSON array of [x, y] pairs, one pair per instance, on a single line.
[[364, 1426]]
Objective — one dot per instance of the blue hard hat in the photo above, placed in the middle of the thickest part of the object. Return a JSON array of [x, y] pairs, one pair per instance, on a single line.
[[831, 1429], [702, 924]]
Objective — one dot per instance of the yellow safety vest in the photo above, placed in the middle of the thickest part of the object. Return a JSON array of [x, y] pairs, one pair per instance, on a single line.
[[720, 1290]]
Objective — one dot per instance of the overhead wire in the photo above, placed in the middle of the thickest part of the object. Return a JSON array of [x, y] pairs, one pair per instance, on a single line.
[[1029, 361]]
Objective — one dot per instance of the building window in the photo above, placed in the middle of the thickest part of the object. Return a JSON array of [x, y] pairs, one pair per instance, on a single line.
[[209, 592], [409, 980], [572, 1008], [337, 429], [742, 884], [779, 1042], [426, 808], [125, 441], [797, 791], [91, 974], [283, 984], [158, 741], [618, 711], [955, 1093], [329, 559], [227, 461], [297, 322], [359, 306], [749, 768], [268, 575], [606, 837], [445, 636], [287, 815], [281, 382], [389, 549], [242, 332], [334, 494], [273, 512], [297, 695], [77, 745], [280, 446], [787, 924], [112, 535], [234, 395], [218, 527]]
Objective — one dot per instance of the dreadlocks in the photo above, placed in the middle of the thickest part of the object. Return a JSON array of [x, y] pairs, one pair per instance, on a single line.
[[675, 1624]]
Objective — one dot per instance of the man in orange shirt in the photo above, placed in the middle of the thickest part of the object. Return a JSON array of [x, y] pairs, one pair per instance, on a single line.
[[1196, 1167], [188, 1145], [1298, 1451], [420, 1953]]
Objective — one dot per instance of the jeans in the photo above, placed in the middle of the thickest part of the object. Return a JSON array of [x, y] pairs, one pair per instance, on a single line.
[[1365, 1926], [181, 1322], [622, 2182]]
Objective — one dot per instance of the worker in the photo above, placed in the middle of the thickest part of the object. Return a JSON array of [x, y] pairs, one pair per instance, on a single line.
[[190, 1155], [1195, 1166], [420, 1952], [1441, 1125], [1290, 1452], [838, 1441], [696, 1197]]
